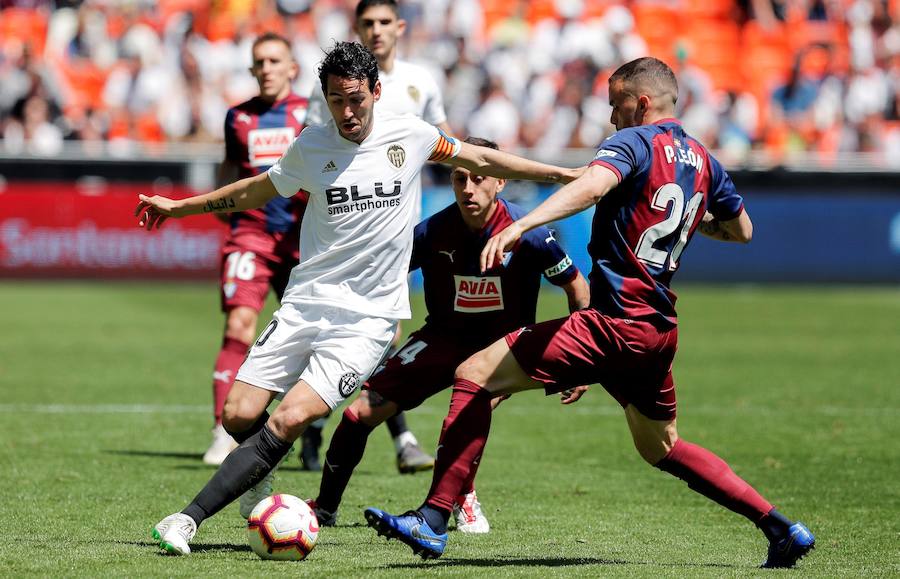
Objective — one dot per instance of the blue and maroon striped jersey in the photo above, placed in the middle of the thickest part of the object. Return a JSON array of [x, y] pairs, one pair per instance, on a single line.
[[667, 181], [459, 297], [256, 135]]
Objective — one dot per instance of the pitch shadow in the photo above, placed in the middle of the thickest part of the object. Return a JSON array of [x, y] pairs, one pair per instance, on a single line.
[[195, 547], [547, 562], [512, 562], [153, 453]]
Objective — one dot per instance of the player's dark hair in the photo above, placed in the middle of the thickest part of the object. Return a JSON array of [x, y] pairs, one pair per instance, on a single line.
[[366, 4], [648, 75], [349, 60], [272, 37], [482, 142]]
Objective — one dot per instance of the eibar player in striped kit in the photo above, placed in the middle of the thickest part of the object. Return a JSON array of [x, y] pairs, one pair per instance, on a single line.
[[652, 186]]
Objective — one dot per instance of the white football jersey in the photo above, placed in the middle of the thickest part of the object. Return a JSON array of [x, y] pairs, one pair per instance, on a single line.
[[356, 233], [408, 89]]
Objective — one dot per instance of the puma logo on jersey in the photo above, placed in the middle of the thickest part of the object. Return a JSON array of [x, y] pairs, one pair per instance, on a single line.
[[551, 236], [477, 294], [329, 167], [449, 254], [243, 118]]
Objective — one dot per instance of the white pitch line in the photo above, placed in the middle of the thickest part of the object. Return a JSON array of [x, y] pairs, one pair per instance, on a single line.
[[516, 410]]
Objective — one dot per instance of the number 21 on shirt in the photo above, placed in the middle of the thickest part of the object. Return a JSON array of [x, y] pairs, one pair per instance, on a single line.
[[679, 218]]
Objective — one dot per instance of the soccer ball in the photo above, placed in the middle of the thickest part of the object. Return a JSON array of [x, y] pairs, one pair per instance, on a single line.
[[282, 527]]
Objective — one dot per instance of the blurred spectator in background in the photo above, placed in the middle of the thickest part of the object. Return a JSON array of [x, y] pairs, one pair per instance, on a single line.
[[781, 76]]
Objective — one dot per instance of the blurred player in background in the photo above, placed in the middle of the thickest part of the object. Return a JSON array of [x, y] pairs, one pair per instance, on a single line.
[[653, 186], [405, 88], [467, 311], [262, 244], [339, 312]]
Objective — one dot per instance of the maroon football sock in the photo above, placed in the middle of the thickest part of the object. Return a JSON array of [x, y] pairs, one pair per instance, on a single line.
[[711, 476], [231, 356], [462, 441], [348, 443]]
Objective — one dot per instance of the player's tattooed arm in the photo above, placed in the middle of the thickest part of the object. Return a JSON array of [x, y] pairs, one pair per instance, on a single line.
[[228, 172], [239, 196], [710, 227], [738, 230], [223, 205]]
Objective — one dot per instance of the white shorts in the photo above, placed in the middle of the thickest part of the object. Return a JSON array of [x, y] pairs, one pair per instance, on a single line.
[[331, 349]]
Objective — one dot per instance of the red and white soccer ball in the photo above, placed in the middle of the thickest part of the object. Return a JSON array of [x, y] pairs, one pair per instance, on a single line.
[[282, 527]]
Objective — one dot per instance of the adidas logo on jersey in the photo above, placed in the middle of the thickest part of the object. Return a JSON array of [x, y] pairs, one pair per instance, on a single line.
[[331, 166]]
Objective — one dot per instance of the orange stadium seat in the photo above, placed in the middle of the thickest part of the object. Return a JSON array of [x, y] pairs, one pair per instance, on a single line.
[[541, 10], [722, 9], [84, 82], [147, 129], [766, 56], [27, 25], [221, 27], [714, 45], [658, 25], [495, 11]]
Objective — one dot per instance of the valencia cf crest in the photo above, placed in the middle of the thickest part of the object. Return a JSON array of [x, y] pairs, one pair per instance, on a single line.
[[348, 383], [396, 155], [414, 93]]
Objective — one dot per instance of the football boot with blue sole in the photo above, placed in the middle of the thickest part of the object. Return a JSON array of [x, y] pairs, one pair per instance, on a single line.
[[789, 550], [409, 528]]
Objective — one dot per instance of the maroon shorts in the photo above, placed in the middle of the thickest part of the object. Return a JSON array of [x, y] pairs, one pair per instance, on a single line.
[[251, 263], [422, 367], [632, 359]]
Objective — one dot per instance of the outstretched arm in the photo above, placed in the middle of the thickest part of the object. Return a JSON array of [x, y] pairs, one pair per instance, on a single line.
[[494, 163], [585, 191], [228, 172], [738, 230], [245, 194]]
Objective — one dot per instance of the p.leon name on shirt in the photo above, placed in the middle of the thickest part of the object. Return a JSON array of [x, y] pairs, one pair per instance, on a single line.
[[686, 158], [477, 294], [265, 146]]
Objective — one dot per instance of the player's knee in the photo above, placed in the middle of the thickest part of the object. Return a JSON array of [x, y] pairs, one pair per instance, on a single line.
[[238, 416], [241, 324], [371, 409], [290, 420], [473, 369], [654, 449]]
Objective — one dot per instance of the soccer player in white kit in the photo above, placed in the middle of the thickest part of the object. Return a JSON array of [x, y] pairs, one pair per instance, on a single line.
[[343, 300], [406, 88]]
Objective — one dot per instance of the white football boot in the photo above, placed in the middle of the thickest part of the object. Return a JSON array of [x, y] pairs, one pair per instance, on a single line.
[[222, 445], [262, 490], [468, 515], [174, 533]]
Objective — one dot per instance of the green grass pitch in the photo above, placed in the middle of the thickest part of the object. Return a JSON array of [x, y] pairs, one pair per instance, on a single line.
[[105, 411]]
